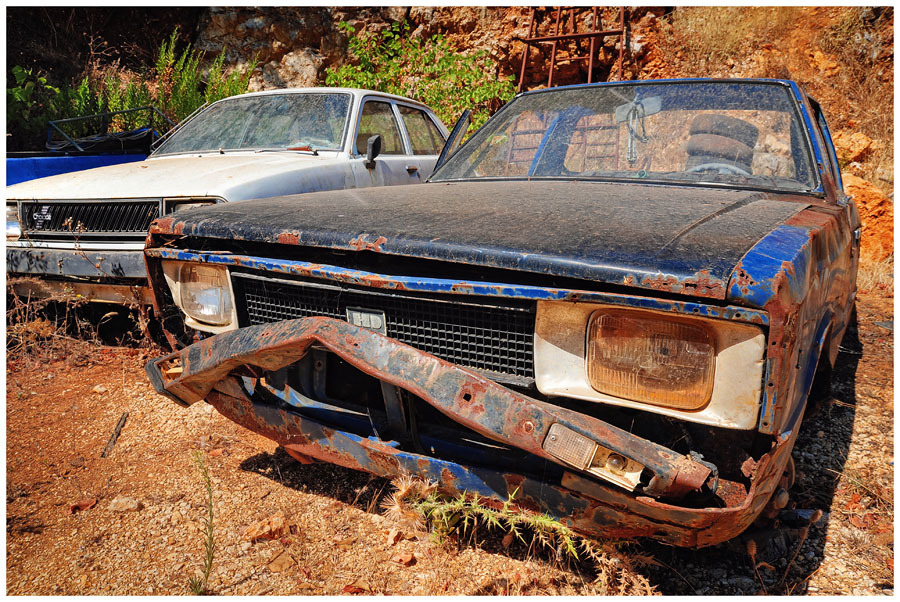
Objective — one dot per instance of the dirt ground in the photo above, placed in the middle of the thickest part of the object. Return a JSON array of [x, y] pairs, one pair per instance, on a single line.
[[65, 535]]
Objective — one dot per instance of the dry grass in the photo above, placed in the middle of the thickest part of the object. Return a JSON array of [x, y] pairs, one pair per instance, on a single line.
[[856, 43], [857, 96], [30, 329], [876, 277], [47, 324], [701, 37], [593, 567]]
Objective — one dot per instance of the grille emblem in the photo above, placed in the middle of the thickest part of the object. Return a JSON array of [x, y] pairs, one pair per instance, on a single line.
[[41, 216], [366, 318]]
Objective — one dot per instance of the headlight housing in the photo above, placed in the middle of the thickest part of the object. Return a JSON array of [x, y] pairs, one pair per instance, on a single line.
[[204, 293], [13, 228], [173, 205], [661, 362], [564, 332]]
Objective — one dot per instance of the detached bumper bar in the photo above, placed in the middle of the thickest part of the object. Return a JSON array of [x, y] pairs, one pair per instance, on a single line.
[[188, 376]]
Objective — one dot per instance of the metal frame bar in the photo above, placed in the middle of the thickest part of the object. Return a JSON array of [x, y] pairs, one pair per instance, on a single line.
[[53, 125], [557, 37]]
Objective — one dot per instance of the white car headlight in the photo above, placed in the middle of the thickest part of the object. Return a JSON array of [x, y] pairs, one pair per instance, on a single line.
[[13, 228], [182, 205], [204, 293]]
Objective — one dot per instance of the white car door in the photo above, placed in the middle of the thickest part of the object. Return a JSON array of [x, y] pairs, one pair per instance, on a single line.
[[394, 165], [425, 138]]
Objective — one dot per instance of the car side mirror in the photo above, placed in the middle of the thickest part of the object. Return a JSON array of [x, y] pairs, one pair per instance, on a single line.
[[373, 149]]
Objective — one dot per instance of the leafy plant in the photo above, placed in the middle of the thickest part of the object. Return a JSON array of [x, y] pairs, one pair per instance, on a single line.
[[180, 86], [199, 586], [176, 84], [432, 71], [30, 103]]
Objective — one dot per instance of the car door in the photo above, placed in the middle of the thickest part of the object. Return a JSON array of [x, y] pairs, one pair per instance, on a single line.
[[425, 138], [393, 165], [844, 262]]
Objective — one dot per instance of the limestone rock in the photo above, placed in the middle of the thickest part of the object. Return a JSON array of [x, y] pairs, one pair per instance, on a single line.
[[122, 503], [852, 146], [271, 528], [876, 211]]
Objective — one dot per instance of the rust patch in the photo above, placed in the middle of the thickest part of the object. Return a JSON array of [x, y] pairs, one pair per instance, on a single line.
[[743, 280], [162, 225], [748, 467], [817, 216], [360, 244], [700, 285], [289, 238], [447, 478]]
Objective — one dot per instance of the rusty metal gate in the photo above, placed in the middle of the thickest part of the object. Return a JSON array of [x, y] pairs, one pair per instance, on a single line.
[[565, 29]]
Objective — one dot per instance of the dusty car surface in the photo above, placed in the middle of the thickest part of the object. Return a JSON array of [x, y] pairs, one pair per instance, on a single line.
[[84, 231], [612, 303]]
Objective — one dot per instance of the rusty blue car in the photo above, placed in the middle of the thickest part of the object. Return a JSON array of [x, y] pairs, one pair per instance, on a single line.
[[613, 302]]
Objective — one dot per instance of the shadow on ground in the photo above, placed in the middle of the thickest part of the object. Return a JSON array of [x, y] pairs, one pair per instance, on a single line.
[[819, 455]]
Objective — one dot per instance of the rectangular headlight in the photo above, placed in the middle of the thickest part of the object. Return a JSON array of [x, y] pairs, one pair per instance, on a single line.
[[651, 360], [183, 205], [204, 293], [13, 228]]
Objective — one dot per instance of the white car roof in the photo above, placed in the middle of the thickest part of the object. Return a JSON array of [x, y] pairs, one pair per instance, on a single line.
[[357, 92]]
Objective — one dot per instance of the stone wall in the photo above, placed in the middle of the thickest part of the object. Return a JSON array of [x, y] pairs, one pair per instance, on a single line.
[[295, 45]]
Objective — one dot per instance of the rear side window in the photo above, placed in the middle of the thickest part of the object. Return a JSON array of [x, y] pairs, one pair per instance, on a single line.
[[378, 118], [424, 136]]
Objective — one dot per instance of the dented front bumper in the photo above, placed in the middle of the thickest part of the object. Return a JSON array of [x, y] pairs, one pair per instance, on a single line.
[[591, 498]]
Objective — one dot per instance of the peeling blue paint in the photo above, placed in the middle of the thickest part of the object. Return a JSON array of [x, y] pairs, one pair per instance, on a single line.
[[462, 287]]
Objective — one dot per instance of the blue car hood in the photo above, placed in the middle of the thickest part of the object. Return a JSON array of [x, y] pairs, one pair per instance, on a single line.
[[677, 239]]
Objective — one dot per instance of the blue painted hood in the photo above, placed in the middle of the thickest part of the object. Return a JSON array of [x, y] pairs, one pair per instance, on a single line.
[[677, 239]]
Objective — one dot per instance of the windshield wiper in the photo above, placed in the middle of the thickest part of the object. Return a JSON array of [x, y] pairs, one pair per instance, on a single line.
[[303, 149]]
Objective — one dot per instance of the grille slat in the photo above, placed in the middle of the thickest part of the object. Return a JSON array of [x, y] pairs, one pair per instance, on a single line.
[[492, 337], [75, 219]]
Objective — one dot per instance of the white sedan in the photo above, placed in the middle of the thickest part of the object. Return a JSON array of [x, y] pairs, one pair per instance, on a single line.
[[82, 232]]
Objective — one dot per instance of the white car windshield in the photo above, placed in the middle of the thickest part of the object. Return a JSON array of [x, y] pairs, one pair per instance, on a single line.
[[722, 133], [296, 121]]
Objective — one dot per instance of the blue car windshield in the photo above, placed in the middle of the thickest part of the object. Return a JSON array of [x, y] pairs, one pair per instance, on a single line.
[[722, 133], [268, 121]]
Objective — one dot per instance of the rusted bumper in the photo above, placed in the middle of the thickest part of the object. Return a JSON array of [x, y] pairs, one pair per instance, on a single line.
[[211, 370]]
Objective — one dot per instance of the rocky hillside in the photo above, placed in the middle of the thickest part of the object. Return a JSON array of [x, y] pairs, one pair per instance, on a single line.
[[842, 56]]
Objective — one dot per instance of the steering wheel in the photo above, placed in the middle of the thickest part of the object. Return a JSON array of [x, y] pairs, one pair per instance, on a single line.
[[723, 168]]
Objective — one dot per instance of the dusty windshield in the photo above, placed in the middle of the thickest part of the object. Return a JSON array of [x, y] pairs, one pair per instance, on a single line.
[[271, 121], [726, 133]]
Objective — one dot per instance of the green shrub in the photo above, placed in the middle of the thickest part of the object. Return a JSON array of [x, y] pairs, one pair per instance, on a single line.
[[30, 104], [431, 71], [175, 85], [180, 87]]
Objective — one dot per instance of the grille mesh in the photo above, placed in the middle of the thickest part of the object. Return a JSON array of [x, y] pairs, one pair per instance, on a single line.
[[78, 219], [496, 338]]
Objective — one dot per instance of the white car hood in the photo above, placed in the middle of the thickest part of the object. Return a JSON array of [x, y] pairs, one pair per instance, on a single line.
[[221, 175]]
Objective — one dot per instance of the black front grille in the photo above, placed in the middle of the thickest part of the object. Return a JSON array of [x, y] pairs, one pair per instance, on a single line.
[[77, 219], [481, 334]]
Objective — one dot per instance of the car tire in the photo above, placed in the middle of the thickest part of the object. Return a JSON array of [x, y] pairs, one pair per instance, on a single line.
[[722, 147], [729, 127], [695, 160]]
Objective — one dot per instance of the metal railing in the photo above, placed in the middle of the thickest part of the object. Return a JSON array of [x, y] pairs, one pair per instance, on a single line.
[[106, 120]]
